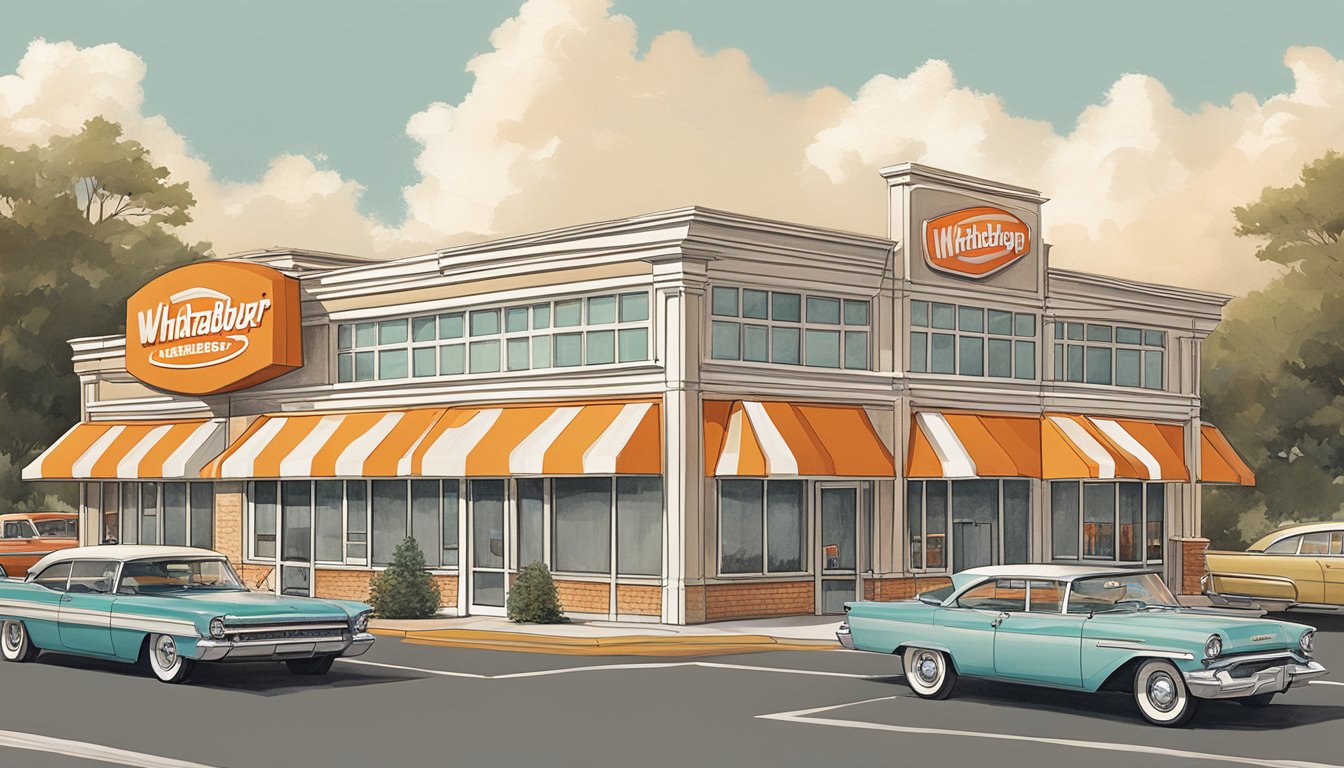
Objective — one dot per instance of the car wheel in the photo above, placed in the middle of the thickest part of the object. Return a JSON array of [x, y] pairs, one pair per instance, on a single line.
[[15, 645], [929, 673], [165, 661], [1161, 695], [1257, 701], [318, 665]]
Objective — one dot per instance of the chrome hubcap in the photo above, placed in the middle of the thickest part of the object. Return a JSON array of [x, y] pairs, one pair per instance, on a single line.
[[1162, 692], [13, 635], [166, 650], [927, 669]]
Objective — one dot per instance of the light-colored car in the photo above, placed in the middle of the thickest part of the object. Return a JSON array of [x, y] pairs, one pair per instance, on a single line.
[[170, 608], [1297, 567], [1084, 629]]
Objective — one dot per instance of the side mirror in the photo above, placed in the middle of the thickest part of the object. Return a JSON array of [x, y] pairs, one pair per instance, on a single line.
[[928, 599]]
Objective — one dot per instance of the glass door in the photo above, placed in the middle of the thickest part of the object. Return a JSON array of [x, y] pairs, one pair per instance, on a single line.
[[838, 542], [296, 539], [487, 576]]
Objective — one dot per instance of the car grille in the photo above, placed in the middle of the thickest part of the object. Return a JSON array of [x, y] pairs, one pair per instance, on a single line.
[[262, 632], [1250, 668]]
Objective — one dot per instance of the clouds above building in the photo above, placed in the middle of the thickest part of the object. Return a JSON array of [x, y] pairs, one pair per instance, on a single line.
[[569, 121]]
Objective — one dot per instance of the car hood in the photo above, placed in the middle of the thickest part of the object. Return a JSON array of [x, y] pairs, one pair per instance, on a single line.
[[1240, 634], [253, 606]]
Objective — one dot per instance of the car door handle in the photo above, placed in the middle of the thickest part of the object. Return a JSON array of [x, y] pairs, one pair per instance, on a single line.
[[66, 598], [998, 620]]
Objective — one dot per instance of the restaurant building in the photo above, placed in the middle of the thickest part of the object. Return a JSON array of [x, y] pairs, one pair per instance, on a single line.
[[688, 416]]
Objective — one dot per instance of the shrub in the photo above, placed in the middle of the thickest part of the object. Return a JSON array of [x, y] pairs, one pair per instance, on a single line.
[[533, 598], [405, 590]]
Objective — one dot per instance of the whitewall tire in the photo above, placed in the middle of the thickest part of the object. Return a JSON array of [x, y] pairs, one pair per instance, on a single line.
[[164, 660], [929, 673], [1161, 695], [15, 644]]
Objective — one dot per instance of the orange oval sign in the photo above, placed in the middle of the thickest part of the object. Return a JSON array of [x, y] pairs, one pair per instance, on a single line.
[[213, 327], [975, 242]]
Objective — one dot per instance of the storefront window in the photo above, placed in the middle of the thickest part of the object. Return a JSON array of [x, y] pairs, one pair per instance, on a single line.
[[1111, 521], [581, 528], [606, 329], [1094, 353], [328, 542], [761, 526], [389, 518], [639, 526], [972, 341], [265, 498], [531, 520], [162, 513], [771, 327], [989, 522]]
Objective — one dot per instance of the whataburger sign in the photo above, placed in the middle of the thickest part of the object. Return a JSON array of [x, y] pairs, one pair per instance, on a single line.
[[975, 242], [214, 327]]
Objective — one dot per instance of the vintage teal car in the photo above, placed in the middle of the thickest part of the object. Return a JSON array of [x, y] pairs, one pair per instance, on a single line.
[[170, 608], [1084, 629]]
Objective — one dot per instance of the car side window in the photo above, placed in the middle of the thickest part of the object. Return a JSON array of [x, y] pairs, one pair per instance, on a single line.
[[1337, 542], [1315, 544], [54, 577], [996, 595], [1286, 546], [1045, 597], [13, 530], [92, 576]]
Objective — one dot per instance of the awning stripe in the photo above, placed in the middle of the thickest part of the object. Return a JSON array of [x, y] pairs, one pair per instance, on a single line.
[[1219, 461], [447, 456], [129, 451], [1096, 453], [779, 458], [529, 456], [602, 455], [1130, 445], [240, 459], [747, 438], [954, 457], [299, 462]]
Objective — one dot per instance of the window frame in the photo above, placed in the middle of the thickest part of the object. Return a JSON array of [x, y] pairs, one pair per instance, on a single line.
[[1081, 519], [916, 327], [807, 556], [135, 516], [500, 337], [1089, 338], [802, 327], [949, 530]]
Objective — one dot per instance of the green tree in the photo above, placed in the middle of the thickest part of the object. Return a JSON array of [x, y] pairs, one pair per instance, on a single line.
[[84, 221], [1273, 376], [405, 590], [533, 598]]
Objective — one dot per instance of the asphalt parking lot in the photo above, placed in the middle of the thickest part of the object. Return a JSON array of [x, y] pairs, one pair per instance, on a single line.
[[405, 705]]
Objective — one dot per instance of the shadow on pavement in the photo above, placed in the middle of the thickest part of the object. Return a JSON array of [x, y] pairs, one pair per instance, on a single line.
[[1115, 706], [1323, 622], [263, 678]]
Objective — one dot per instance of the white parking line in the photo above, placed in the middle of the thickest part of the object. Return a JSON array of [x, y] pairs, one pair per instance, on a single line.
[[804, 716], [609, 667], [87, 751]]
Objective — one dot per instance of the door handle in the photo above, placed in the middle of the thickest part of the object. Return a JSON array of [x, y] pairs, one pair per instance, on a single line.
[[66, 598], [998, 620]]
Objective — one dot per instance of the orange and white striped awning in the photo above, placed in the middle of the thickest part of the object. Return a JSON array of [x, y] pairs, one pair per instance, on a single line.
[[1218, 460], [746, 438], [1052, 447], [130, 450], [567, 439]]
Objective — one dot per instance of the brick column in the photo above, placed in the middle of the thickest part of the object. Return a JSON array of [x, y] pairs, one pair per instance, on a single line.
[[1190, 570]]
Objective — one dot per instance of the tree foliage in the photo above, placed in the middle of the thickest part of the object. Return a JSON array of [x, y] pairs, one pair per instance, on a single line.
[[405, 590], [84, 221], [1274, 370], [533, 598]]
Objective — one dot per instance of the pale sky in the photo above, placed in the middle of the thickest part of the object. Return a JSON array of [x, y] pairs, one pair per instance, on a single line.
[[358, 127]]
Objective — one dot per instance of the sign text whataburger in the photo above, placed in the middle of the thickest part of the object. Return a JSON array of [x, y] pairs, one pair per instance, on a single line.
[[213, 327], [975, 242]]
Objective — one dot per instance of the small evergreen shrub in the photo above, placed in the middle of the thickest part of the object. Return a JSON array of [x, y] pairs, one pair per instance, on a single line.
[[405, 590], [533, 599]]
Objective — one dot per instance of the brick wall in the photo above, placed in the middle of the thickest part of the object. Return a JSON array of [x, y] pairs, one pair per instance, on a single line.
[[695, 604], [229, 521], [1191, 567], [354, 585], [901, 588], [584, 596], [759, 599], [639, 599]]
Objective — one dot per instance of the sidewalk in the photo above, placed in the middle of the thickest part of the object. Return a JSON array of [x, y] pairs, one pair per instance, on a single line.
[[609, 638]]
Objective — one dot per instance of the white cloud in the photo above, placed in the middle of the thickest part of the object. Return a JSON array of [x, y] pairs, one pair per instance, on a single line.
[[567, 122]]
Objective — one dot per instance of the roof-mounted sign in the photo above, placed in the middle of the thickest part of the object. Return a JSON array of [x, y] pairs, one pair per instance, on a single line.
[[975, 242], [214, 327]]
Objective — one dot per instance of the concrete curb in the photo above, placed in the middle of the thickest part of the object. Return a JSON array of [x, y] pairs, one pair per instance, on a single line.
[[618, 645]]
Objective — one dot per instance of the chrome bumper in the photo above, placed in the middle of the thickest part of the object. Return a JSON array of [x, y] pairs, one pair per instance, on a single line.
[[1218, 683], [846, 639], [282, 650]]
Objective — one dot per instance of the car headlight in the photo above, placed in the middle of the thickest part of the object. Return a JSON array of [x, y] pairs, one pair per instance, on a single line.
[[1213, 647], [217, 627], [1307, 642], [362, 622]]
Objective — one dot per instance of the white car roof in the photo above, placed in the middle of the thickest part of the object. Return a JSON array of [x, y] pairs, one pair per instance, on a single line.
[[119, 552], [1045, 571]]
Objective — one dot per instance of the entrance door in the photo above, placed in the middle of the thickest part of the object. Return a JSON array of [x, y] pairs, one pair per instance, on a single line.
[[295, 566], [838, 547], [975, 513], [487, 576]]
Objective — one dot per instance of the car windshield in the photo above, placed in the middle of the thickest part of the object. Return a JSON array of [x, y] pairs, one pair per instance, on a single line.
[[1120, 592], [56, 529], [150, 577]]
